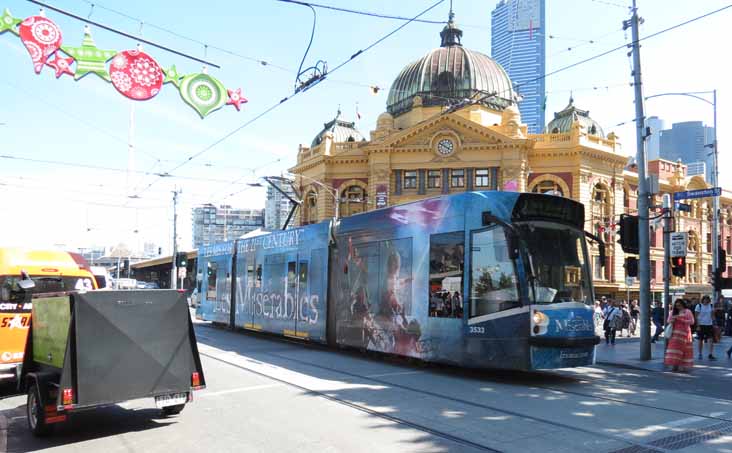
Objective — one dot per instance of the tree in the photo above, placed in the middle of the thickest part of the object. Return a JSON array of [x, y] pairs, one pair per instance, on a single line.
[[483, 284]]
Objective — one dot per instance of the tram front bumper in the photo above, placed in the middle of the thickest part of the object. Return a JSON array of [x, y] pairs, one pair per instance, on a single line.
[[564, 342]]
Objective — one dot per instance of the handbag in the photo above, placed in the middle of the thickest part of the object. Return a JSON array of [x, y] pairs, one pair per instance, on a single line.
[[668, 331]]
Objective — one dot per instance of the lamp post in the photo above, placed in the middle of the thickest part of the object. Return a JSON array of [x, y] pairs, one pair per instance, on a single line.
[[715, 172]]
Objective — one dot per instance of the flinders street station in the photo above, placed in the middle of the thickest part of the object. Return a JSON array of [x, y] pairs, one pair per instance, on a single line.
[[452, 124]]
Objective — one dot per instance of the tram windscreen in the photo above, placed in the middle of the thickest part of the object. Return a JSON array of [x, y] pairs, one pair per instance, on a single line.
[[559, 259]]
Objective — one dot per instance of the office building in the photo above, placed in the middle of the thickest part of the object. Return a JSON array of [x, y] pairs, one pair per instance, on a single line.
[[653, 144], [518, 44], [687, 141], [696, 168], [213, 224], [277, 207]]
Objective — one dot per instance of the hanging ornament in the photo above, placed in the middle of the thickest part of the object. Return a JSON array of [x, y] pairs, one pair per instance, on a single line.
[[235, 98], [61, 65], [41, 37], [136, 74], [89, 58], [8, 22], [172, 76], [203, 92]]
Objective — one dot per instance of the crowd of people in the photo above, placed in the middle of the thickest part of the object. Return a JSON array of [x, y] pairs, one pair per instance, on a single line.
[[685, 318]]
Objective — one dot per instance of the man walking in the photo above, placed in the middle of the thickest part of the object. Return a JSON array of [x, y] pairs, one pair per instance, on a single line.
[[705, 323], [657, 317]]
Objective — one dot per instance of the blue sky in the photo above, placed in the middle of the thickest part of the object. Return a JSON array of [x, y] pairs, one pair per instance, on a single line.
[[87, 121]]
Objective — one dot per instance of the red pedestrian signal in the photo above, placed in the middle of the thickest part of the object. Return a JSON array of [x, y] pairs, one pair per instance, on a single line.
[[678, 266]]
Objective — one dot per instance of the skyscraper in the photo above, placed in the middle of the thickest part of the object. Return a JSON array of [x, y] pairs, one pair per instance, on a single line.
[[654, 141], [212, 225], [277, 207], [689, 142], [518, 43]]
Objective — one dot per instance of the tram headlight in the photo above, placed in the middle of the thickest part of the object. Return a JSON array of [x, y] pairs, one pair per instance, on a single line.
[[540, 319]]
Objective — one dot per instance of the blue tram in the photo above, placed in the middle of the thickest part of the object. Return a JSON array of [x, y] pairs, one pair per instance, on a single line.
[[476, 279]]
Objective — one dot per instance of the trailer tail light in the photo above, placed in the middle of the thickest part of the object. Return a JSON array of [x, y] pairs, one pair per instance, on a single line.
[[68, 397], [195, 380]]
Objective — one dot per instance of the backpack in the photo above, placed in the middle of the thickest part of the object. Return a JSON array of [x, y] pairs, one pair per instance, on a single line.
[[626, 318], [616, 319]]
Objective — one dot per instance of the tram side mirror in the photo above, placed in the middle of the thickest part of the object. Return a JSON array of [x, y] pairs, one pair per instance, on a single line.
[[26, 284]]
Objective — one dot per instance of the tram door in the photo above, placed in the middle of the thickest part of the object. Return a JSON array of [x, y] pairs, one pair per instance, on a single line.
[[290, 312]]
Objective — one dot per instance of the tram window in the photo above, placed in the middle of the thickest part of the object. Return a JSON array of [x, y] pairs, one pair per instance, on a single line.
[[303, 273], [446, 275], [211, 286], [250, 275], [493, 281], [292, 274], [258, 283]]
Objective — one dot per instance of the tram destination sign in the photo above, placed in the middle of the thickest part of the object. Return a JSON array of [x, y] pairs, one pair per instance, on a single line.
[[701, 193]]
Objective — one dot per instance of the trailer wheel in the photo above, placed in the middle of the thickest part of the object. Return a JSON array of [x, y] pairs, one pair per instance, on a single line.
[[36, 414], [173, 410]]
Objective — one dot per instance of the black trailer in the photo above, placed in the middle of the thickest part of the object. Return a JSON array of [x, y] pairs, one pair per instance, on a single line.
[[99, 348]]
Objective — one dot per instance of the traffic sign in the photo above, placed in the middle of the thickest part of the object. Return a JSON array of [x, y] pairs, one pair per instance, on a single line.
[[701, 193], [679, 244], [629, 281]]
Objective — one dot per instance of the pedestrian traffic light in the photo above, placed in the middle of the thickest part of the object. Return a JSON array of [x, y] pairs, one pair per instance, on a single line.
[[678, 266], [181, 259], [631, 266], [628, 232]]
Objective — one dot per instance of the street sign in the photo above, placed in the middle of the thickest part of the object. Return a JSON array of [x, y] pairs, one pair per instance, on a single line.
[[683, 207], [679, 244], [701, 193], [181, 272], [629, 281]]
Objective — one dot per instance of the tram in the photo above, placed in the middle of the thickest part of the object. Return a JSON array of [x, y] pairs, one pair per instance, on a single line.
[[476, 279]]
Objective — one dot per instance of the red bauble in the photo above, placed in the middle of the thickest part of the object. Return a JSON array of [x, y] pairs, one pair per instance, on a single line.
[[136, 75], [41, 37]]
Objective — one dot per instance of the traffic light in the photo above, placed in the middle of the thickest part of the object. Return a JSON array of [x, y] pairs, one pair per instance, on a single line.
[[181, 259], [722, 260], [678, 266], [631, 266], [628, 232]]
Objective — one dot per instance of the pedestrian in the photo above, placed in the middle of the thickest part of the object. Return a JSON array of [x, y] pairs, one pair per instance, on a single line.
[[634, 313], [598, 316], [718, 318], [613, 320], [680, 350], [705, 326], [626, 319], [657, 318]]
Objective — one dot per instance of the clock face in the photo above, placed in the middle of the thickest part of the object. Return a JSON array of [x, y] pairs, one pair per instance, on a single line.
[[445, 146]]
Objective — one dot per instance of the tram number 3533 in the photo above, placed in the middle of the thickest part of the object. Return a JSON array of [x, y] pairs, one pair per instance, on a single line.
[[476, 329]]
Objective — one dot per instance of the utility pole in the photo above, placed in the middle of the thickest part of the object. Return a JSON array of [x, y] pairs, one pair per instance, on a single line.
[[174, 271], [667, 230], [644, 264], [715, 218]]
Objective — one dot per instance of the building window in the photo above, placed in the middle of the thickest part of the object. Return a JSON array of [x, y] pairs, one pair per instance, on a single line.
[[601, 209], [311, 208], [410, 179], [653, 269], [597, 269], [709, 242], [457, 178], [482, 177], [433, 179], [548, 187], [353, 201]]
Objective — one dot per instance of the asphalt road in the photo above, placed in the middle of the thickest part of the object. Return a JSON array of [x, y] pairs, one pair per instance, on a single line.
[[271, 395]]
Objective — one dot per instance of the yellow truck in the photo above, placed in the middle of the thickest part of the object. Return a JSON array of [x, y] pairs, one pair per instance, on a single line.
[[50, 271]]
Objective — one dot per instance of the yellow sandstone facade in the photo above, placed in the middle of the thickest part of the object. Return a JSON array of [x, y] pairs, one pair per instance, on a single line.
[[426, 145]]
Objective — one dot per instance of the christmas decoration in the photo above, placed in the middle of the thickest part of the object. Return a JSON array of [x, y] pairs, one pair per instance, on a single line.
[[203, 92], [41, 37], [235, 98], [136, 75], [172, 76], [89, 58], [8, 22], [61, 65]]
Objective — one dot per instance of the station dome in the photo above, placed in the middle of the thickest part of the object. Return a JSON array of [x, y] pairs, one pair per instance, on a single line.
[[450, 74], [343, 131], [563, 121]]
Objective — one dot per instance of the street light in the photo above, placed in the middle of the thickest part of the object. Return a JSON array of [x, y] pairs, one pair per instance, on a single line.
[[715, 172], [331, 190]]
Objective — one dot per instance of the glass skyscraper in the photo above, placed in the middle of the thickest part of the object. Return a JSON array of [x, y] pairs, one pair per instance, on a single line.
[[518, 43]]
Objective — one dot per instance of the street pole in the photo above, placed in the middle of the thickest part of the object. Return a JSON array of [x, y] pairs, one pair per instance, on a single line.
[[715, 218], [667, 229], [644, 265], [174, 272]]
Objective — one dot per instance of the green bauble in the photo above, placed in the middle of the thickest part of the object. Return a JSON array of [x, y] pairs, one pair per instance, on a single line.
[[203, 92]]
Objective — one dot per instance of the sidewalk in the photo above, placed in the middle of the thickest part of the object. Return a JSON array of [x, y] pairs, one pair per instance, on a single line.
[[626, 353]]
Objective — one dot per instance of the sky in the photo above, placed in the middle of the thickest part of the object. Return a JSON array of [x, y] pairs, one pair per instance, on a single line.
[[85, 124]]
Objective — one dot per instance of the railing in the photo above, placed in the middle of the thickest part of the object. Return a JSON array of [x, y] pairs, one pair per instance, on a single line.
[[551, 138]]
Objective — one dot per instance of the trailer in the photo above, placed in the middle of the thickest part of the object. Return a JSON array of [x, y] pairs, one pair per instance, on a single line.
[[93, 349]]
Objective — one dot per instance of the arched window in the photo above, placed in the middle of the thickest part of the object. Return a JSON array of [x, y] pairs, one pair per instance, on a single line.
[[311, 208], [548, 187], [555, 130], [353, 201], [601, 208]]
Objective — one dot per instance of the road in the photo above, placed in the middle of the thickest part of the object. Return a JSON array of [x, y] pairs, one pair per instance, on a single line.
[[272, 395]]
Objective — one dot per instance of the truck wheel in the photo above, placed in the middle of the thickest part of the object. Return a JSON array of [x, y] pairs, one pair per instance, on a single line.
[[36, 413], [173, 410]]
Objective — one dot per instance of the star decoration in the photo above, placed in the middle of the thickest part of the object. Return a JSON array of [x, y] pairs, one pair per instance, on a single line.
[[235, 98], [9, 23], [89, 58], [172, 76], [61, 65]]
